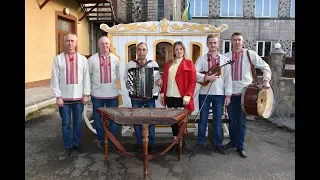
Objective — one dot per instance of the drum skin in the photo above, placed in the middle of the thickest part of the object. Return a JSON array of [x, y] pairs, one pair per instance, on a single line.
[[249, 99], [257, 102]]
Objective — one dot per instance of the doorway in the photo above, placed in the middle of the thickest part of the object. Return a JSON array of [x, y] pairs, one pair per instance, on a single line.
[[64, 24], [164, 52], [195, 52]]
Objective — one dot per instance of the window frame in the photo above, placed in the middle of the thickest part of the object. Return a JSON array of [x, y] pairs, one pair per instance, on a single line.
[[291, 15], [262, 9], [223, 45], [291, 47], [194, 8], [235, 9], [263, 48]]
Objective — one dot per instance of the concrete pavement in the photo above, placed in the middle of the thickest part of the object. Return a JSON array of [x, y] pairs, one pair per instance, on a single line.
[[271, 155], [37, 98]]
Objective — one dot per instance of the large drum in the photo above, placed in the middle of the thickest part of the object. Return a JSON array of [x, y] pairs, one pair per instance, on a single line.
[[257, 101]]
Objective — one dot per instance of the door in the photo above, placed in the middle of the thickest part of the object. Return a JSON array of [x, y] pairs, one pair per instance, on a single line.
[[64, 27], [195, 52]]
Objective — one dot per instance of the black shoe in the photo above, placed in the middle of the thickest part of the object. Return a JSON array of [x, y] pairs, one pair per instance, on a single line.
[[229, 145], [101, 144], [151, 148], [139, 148], [220, 150], [79, 149], [200, 147], [242, 153], [67, 151]]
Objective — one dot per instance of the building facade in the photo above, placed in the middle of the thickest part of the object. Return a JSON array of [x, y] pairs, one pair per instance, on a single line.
[[44, 29], [262, 22]]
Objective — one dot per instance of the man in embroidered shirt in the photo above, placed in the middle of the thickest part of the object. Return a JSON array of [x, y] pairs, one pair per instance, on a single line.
[[104, 74], [218, 93], [70, 83], [142, 51], [242, 77]]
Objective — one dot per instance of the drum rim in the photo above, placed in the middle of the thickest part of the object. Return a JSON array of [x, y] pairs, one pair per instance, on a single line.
[[242, 99], [273, 104]]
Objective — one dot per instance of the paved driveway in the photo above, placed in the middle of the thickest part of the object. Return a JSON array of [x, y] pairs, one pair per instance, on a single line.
[[271, 155]]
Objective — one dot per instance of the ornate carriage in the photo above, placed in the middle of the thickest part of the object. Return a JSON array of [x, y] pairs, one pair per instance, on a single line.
[[159, 37]]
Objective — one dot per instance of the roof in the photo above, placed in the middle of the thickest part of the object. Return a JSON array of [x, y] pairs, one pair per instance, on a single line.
[[96, 11]]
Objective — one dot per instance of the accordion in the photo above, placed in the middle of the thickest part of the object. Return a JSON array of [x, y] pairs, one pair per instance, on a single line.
[[141, 82]]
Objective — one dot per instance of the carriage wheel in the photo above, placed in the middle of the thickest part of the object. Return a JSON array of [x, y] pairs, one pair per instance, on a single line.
[[86, 117]]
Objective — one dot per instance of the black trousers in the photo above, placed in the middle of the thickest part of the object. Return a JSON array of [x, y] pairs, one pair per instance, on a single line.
[[173, 102]]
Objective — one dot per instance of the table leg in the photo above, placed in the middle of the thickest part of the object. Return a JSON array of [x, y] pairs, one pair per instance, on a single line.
[[180, 140], [145, 141], [106, 146]]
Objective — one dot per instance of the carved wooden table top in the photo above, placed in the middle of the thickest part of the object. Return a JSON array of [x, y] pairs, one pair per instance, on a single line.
[[156, 116]]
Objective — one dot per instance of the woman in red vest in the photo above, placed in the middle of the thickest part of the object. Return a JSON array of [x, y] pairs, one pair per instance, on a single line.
[[179, 82]]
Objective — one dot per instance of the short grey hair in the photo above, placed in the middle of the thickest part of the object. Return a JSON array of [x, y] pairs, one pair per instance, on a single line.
[[65, 36]]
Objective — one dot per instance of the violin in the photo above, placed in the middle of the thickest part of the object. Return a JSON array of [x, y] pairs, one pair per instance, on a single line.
[[214, 69]]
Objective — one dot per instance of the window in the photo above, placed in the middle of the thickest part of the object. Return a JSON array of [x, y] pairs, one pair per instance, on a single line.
[[199, 8], [263, 48], [293, 8], [144, 10], [160, 9], [226, 46], [266, 8], [293, 52], [231, 8]]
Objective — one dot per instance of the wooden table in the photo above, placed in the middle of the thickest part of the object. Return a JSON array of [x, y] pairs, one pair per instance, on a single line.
[[144, 117]]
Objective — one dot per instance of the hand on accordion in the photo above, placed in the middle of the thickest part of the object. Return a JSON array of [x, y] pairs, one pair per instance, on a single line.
[[159, 82], [127, 85]]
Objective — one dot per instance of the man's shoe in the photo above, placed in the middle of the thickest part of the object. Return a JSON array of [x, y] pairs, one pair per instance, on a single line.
[[242, 153], [200, 147], [219, 149], [139, 148], [101, 144], [229, 145], [67, 151], [79, 149]]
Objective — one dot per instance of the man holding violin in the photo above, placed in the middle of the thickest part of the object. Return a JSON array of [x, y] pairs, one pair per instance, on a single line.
[[214, 75]]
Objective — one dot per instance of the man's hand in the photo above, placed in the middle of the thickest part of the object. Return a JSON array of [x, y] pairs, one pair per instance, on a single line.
[[227, 100], [159, 82], [127, 85], [85, 99], [265, 84], [211, 78], [59, 102]]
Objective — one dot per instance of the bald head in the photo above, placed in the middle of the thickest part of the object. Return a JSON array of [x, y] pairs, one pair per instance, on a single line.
[[104, 45]]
